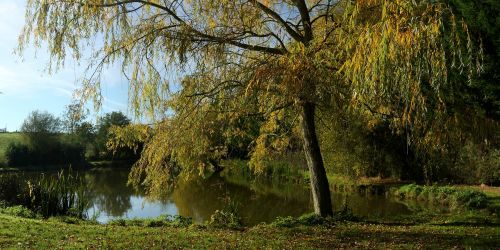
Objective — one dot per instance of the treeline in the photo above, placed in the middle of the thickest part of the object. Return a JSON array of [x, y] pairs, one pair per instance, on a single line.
[[68, 140]]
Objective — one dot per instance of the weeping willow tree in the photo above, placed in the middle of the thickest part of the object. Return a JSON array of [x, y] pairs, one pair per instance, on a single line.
[[271, 61]]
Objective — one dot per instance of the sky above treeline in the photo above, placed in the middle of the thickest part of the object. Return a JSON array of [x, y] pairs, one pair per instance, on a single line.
[[25, 86]]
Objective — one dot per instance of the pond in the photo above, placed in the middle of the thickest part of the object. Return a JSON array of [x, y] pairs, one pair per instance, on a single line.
[[111, 198]]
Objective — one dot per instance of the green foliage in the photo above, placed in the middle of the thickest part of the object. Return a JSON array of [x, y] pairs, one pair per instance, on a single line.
[[19, 155], [288, 221], [359, 144], [312, 219], [178, 220], [7, 139], [228, 217], [477, 164], [63, 194], [104, 134], [161, 221], [482, 95], [285, 168], [453, 197], [73, 117], [40, 129], [18, 211], [42, 144]]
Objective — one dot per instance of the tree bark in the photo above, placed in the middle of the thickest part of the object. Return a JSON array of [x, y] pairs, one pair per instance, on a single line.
[[319, 182]]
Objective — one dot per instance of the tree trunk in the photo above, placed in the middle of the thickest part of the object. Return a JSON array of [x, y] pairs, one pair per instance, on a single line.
[[319, 183]]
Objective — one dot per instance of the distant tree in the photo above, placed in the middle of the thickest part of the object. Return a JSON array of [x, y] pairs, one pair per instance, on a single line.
[[40, 128], [73, 116], [103, 130], [86, 132]]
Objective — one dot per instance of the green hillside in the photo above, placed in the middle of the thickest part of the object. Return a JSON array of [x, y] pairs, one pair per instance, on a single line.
[[5, 140]]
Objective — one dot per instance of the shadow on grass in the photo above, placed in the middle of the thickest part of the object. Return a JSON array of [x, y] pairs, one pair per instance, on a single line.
[[417, 239], [469, 224]]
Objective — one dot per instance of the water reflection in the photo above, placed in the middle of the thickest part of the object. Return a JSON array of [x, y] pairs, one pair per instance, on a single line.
[[261, 202]]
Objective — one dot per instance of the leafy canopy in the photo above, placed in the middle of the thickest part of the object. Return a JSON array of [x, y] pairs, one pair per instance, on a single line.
[[250, 58]]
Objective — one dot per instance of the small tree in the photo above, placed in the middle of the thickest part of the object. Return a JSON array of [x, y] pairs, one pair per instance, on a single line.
[[40, 129], [73, 116], [103, 130]]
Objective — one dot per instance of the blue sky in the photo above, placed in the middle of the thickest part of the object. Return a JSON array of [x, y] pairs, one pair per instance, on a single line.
[[25, 86]]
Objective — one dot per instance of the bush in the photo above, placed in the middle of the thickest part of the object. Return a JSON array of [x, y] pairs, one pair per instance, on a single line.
[[178, 220], [19, 155], [311, 219], [472, 199], [411, 191], [287, 221], [19, 211], [227, 217]]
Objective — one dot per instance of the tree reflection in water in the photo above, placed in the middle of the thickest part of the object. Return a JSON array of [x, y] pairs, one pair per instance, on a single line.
[[258, 201]]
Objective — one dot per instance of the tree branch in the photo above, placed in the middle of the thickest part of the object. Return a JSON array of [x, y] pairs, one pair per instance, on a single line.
[[306, 20], [294, 34]]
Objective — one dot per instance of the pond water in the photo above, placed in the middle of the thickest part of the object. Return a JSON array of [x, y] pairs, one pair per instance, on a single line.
[[111, 198]]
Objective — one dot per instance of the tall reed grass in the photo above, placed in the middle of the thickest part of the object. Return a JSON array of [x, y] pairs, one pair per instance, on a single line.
[[61, 194]]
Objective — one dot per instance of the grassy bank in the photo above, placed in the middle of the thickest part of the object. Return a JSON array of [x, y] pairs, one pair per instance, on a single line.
[[42, 234]]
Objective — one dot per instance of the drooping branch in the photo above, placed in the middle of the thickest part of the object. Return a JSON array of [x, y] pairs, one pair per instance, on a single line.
[[196, 32]]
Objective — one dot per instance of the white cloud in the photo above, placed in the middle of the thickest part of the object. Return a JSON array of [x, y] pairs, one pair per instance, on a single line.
[[25, 84]]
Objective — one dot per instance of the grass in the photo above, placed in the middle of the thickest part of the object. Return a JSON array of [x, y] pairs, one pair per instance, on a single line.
[[454, 197], [5, 140], [20, 233]]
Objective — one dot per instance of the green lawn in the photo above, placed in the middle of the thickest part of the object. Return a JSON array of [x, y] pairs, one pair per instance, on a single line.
[[51, 234], [5, 140]]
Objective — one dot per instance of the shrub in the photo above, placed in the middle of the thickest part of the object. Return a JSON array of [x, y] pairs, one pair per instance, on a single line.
[[19, 155], [311, 219], [19, 211], [411, 191], [178, 220], [228, 217], [287, 221], [472, 199]]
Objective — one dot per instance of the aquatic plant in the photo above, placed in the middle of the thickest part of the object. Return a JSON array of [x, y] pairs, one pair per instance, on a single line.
[[228, 217], [61, 194]]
